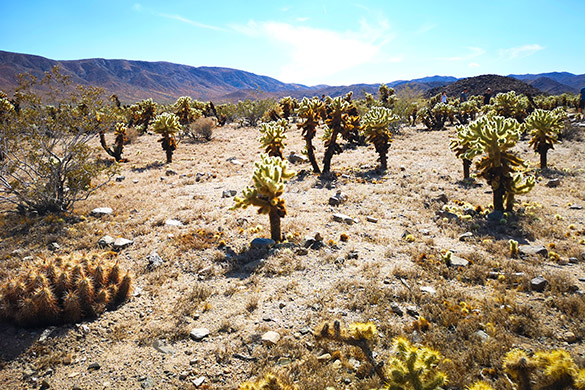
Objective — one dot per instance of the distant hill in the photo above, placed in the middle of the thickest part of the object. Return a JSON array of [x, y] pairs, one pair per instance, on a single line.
[[479, 84], [165, 81]]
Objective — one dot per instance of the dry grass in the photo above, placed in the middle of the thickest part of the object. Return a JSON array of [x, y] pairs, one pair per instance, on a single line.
[[365, 272]]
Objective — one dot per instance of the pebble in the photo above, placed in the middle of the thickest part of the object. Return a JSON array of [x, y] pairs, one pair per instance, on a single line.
[[538, 284], [94, 366], [457, 261], [465, 236], [262, 243], [371, 219], [162, 347], [122, 243], [482, 335], [101, 211], [199, 381], [553, 183], [106, 241], [170, 172], [154, 260], [54, 246], [343, 218], [576, 207], [198, 334], [429, 290], [174, 222], [228, 193], [271, 337], [531, 250], [296, 158], [120, 178]]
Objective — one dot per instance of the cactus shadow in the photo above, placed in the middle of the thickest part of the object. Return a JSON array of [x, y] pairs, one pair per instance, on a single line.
[[148, 167], [15, 341], [243, 264], [512, 229], [468, 183]]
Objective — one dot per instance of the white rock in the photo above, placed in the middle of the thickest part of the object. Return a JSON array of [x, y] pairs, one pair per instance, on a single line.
[[173, 222], [271, 337], [101, 211], [198, 334]]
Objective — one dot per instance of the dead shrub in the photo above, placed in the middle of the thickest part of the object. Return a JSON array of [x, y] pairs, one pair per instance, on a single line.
[[203, 128]]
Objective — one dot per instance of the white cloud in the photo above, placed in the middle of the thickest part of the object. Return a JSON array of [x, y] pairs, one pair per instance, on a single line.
[[520, 51], [191, 22], [473, 65], [315, 53]]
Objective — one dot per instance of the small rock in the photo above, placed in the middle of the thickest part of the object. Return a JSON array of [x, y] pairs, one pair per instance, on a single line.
[[553, 183], [532, 250], [199, 381], [228, 193], [396, 309], [122, 243], [334, 201], [429, 290], [170, 172], [457, 261], [343, 218], [101, 211], [44, 385], [573, 260], [353, 255], [296, 158], [482, 335], [147, 383], [302, 251], [236, 162], [442, 198], [94, 366], [173, 222], [262, 243], [162, 347], [46, 334], [154, 260], [465, 236], [324, 358], [271, 337], [538, 284], [495, 215], [318, 236], [199, 334], [54, 246], [447, 214], [120, 178], [424, 232], [106, 241], [576, 207], [371, 219]]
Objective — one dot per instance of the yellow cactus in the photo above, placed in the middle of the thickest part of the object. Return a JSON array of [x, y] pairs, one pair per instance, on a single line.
[[119, 140], [269, 382], [311, 111], [342, 119], [273, 136], [501, 168], [460, 145], [269, 177], [414, 368], [167, 125], [480, 385], [544, 127], [185, 110], [376, 127]]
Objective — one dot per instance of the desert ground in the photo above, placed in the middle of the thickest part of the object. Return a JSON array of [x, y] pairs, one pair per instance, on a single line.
[[386, 266]]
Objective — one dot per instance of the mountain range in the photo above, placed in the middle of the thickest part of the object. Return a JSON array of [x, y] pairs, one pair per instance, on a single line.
[[165, 82]]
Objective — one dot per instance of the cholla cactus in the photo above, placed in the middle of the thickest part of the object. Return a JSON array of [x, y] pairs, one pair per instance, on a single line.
[[6, 108], [544, 127], [494, 137], [120, 137], [555, 370], [387, 96], [61, 290], [341, 120], [185, 111], [273, 136], [143, 113], [359, 335], [467, 111], [460, 145], [269, 177], [376, 126], [167, 125], [287, 105], [311, 110], [414, 368], [509, 105], [269, 382]]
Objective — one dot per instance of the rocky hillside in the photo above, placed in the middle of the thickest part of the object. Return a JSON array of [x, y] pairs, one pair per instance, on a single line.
[[479, 84]]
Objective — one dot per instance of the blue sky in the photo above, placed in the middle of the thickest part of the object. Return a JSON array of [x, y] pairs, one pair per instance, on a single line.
[[309, 42]]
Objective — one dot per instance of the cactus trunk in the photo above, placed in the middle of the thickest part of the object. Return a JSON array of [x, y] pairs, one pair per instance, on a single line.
[[311, 155], [330, 151], [499, 197], [466, 167], [542, 151], [274, 216]]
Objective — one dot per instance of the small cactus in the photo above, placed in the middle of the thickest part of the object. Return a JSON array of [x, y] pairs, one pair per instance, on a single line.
[[273, 136], [376, 126], [544, 127], [460, 145], [60, 290], [185, 111], [143, 113], [311, 111], [119, 140], [269, 382], [269, 177], [167, 125]]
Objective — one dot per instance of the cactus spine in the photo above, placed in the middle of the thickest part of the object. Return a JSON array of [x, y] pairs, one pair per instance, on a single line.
[[311, 110], [494, 137], [376, 126], [167, 125], [544, 127], [269, 177], [273, 136]]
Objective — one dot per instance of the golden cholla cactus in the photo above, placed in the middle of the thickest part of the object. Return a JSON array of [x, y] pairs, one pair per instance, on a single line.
[[480, 385], [376, 126], [544, 127], [143, 113], [342, 119], [311, 111], [185, 111], [273, 136], [414, 368], [61, 290], [269, 382], [494, 136], [287, 106], [120, 137], [387, 95], [460, 145], [167, 125], [509, 105], [269, 177]]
